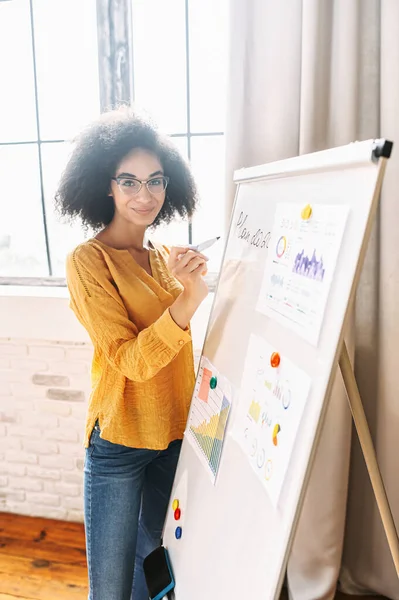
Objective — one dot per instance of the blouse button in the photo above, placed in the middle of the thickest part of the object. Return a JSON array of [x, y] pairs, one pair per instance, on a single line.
[[181, 342]]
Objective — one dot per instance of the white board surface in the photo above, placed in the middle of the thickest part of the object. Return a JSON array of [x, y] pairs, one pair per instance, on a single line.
[[236, 532]]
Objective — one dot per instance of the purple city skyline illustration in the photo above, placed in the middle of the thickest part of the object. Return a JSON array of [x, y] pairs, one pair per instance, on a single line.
[[309, 267]]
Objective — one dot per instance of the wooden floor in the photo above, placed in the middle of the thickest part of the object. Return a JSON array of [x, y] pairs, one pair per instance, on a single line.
[[43, 559]]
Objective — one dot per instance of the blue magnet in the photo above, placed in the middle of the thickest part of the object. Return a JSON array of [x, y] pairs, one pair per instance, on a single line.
[[178, 533]]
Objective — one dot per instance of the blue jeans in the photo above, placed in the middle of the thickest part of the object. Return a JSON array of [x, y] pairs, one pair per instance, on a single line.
[[126, 496]]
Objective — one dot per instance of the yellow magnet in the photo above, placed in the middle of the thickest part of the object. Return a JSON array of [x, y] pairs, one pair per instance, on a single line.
[[306, 212]]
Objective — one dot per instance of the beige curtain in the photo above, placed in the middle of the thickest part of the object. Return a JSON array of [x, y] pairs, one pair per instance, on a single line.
[[306, 75]]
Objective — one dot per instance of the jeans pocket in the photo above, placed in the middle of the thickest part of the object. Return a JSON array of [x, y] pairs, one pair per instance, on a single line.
[[94, 432], [103, 448], [90, 448]]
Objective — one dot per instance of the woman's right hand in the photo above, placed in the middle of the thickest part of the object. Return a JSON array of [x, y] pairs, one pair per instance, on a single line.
[[189, 267]]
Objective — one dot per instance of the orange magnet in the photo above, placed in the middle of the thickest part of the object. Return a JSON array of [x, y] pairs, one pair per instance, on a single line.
[[275, 360], [175, 504], [177, 514], [306, 212]]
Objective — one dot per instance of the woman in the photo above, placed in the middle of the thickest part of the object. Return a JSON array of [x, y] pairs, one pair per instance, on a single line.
[[136, 300]]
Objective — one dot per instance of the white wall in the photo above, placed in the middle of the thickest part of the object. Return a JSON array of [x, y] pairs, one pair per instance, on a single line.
[[45, 358]]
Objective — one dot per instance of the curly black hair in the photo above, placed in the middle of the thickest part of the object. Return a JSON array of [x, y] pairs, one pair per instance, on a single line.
[[84, 186]]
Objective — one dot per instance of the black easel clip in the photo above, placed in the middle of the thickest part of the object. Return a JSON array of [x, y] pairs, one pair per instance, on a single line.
[[382, 148]]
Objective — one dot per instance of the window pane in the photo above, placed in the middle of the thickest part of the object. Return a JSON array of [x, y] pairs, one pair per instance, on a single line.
[[63, 236], [175, 233], [67, 65], [181, 143], [207, 159], [159, 47], [17, 97], [208, 64], [22, 242]]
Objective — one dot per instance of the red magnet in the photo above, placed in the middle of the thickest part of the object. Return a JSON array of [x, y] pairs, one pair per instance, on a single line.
[[177, 514], [275, 360]]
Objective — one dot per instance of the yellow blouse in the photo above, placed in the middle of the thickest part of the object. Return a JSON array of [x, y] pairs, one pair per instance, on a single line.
[[143, 368]]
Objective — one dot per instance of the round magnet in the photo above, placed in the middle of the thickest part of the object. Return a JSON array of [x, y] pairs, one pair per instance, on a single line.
[[175, 504], [275, 360], [177, 514], [306, 212], [178, 533], [213, 383]]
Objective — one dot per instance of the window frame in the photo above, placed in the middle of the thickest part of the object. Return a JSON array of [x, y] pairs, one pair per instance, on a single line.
[[116, 85]]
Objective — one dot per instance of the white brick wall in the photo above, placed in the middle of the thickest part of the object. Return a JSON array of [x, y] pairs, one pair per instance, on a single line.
[[44, 387], [43, 401]]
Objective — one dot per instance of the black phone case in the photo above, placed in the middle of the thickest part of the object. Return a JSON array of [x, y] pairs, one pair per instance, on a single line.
[[158, 573]]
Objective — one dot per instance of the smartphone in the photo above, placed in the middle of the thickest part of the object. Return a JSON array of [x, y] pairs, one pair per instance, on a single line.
[[158, 573]]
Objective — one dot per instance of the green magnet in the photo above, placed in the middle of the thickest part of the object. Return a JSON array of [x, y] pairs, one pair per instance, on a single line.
[[213, 382]]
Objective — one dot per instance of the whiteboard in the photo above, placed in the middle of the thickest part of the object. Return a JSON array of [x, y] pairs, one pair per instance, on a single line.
[[235, 536]]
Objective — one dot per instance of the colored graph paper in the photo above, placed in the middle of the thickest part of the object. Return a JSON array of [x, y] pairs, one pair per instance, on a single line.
[[208, 417]]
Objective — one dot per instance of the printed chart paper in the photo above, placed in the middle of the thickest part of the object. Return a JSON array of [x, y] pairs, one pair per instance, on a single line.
[[271, 405], [208, 416], [300, 267]]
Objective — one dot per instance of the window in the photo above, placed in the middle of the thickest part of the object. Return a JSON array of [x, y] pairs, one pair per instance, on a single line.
[[180, 64], [49, 61], [49, 75]]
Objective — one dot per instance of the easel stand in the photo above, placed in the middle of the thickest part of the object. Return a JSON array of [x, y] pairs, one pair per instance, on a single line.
[[370, 458]]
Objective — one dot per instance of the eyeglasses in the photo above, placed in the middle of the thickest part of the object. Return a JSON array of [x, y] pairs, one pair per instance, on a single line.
[[131, 187]]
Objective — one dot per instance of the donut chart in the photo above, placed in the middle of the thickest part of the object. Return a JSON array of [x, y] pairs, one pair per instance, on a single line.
[[281, 246]]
